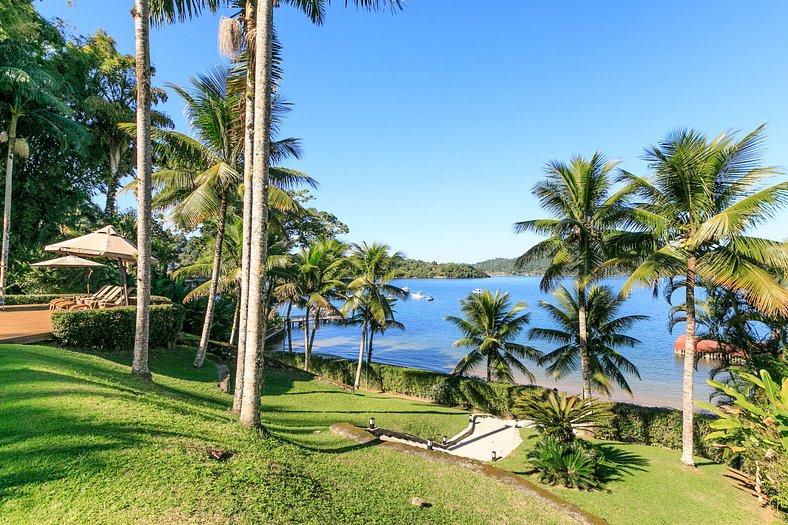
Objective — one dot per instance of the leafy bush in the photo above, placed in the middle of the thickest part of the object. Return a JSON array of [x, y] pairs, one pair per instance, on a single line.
[[574, 463], [32, 299], [444, 389], [223, 313], [754, 427], [112, 329], [657, 427]]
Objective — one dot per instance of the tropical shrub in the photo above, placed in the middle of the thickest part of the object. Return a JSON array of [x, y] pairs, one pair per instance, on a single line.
[[560, 416], [112, 329], [573, 464], [754, 427]]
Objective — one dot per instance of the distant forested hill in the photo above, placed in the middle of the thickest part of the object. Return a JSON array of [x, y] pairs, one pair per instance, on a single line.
[[501, 266], [414, 269]]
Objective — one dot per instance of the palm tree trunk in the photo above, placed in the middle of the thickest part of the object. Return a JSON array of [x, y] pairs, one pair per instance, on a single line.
[[139, 366], [369, 356], [306, 339], [247, 213], [234, 330], [212, 289], [357, 381], [9, 174], [689, 367], [315, 325], [250, 403], [112, 182], [582, 321], [289, 327]]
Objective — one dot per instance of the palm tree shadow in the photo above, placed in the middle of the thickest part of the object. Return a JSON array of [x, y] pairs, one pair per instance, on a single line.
[[618, 462]]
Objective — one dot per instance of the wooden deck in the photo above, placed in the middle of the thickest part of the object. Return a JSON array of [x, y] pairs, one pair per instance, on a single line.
[[25, 324]]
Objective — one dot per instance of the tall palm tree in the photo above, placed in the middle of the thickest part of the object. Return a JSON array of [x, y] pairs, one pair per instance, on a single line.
[[376, 327], [315, 282], [491, 326], [203, 172], [372, 267], [31, 92], [587, 213], [606, 333], [697, 207], [160, 11], [263, 82]]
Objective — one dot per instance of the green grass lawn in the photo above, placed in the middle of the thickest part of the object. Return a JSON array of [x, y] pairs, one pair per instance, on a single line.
[[81, 441], [652, 488]]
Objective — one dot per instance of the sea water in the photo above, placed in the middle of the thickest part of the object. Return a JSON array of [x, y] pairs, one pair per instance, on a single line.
[[426, 341]]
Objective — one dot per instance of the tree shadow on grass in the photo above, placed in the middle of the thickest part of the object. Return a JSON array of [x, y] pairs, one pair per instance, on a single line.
[[619, 462]]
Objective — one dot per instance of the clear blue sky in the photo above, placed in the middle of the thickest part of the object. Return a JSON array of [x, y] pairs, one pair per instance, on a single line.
[[427, 129]]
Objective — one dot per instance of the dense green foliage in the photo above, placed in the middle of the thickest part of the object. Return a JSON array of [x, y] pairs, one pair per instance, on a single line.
[[29, 299], [558, 416], [502, 266], [85, 442], [572, 464], [415, 269], [112, 329]]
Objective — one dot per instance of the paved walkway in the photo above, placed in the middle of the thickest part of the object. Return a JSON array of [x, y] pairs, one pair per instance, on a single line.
[[25, 324]]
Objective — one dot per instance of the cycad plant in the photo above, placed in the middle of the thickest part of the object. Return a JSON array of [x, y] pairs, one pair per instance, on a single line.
[[606, 334], [587, 216], [701, 200], [491, 327]]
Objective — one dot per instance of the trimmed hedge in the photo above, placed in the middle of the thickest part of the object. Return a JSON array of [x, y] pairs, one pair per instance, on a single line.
[[660, 427], [632, 423], [444, 389], [11, 300], [112, 329]]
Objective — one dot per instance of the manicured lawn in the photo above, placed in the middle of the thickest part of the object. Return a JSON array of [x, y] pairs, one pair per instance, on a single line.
[[81, 441], [652, 488]]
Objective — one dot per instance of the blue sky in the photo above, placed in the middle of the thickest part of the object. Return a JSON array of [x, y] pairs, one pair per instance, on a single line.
[[428, 128]]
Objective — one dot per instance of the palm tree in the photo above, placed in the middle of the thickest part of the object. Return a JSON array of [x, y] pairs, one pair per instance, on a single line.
[[606, 333], [263, 82], [587, 214], [160, 11], [491, 326], [315, 282], [204, 171], [372, 267], [703, 197], [376, 327], [31, 92]]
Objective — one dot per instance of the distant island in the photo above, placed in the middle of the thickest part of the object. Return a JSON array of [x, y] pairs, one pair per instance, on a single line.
[[416, 269]]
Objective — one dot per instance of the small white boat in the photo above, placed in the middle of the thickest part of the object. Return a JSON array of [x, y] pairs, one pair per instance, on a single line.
[[406, 289], [420, 295], [478, 291]]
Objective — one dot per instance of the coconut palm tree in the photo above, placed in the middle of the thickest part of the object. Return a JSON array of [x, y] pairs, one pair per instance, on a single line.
[[587, 214], [315, 282], [204, 171], [160, 11], [606, 333], [491, 326], [263, 82], [372, 267], [697, 206], [30, 92]]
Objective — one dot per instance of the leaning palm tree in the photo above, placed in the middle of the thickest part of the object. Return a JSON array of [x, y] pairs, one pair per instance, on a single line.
[[606, 333], [315, 282], [372, 267], [491, 326], [258, 218], [29, 92], [587, 214], [697, 207]]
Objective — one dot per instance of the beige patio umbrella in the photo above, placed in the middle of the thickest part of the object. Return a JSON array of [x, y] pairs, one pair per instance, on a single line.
[[105, 243], [72, 261]]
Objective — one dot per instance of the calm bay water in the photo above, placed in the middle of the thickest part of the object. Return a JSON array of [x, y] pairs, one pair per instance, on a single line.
[[427, 339]]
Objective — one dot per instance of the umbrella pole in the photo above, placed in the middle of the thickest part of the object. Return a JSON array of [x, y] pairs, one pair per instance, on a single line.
[[88, 271], [122, 272]]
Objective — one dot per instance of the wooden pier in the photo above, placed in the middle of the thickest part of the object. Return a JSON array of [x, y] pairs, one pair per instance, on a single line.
[[298, 322]]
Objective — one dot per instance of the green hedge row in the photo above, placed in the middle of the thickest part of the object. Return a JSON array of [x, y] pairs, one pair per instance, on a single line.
[[632, 423], [112, 329], [34, 298], [444, 389], [659, 427]]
